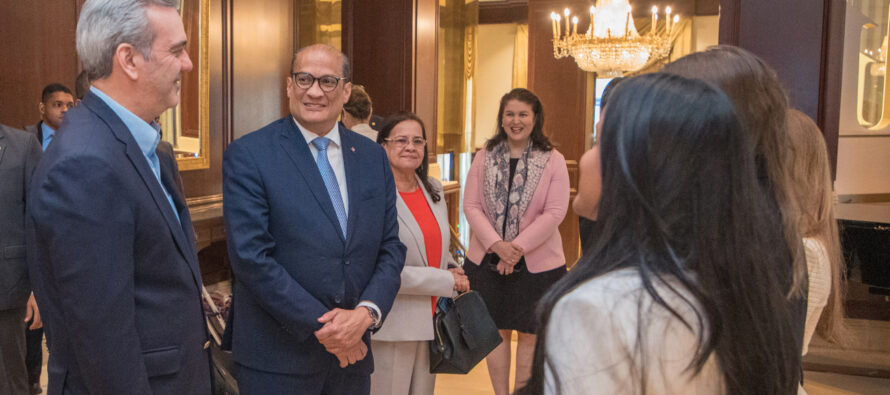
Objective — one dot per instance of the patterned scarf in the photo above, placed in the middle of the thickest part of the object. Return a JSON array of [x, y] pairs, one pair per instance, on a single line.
[[495, 186]]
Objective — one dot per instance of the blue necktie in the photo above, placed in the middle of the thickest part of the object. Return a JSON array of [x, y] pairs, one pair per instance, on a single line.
[[330, 180]]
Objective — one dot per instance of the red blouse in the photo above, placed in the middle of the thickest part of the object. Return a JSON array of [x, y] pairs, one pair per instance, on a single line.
[[432, 238]]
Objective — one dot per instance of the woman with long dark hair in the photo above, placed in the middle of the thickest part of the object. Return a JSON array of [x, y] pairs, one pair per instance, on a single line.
[[674, 296], [517, 194], [401, 346], [762, 106]]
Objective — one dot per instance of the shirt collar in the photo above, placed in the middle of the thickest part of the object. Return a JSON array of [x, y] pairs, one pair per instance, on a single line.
[[145, 135], [333, 135], [48, 131]]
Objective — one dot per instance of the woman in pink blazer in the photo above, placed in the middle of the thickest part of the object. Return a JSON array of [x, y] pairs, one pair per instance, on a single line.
[[517, 194]]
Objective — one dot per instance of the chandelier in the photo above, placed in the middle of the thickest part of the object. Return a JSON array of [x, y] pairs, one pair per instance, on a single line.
[[612, 46]]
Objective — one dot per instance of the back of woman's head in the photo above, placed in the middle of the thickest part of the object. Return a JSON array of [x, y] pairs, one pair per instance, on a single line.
[[811, 184], [810, 172], [761, 103], [671, 144], [752, 86], [681, 202]]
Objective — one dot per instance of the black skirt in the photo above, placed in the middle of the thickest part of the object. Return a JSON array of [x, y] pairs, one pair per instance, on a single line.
[[512, 299]]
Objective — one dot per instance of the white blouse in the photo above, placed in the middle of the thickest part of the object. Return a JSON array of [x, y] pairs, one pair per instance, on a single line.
[[819, 272], [593, 344]]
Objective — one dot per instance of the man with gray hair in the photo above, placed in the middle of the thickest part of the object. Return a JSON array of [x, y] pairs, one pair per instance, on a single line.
[[110, 244]]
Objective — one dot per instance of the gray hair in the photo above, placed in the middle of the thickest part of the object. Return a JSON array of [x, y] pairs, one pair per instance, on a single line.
[[106, 24], [347, 68]]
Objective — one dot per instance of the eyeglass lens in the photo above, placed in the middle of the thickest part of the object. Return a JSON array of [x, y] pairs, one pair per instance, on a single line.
[[327, 83], [402, 141]]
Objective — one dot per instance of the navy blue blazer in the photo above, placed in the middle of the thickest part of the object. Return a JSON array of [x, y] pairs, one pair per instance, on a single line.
[[288, 254], [115, 274]]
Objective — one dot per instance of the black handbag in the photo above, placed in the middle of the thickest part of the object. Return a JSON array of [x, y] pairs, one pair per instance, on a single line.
[[465, 333]]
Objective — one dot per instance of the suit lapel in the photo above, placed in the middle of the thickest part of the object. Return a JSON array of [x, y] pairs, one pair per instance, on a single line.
[[297, 148], [2, 143], [353, 177], [134, 154], [406, 218], [174, 187], [40, 133], [440, 212]]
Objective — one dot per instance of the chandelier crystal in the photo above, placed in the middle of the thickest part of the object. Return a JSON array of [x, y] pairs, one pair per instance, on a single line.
[[612, 46]]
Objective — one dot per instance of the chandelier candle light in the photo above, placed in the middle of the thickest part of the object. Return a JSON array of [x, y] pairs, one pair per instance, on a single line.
[[612, 46]]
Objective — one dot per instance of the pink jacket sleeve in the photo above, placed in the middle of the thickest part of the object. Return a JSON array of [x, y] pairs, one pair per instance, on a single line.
[[556, 204], [473, 202]]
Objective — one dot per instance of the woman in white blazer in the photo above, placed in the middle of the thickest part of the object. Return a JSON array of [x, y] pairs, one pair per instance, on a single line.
[[401, 350]]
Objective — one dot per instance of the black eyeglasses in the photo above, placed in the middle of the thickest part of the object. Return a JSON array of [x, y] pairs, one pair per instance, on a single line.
[[327, 83]]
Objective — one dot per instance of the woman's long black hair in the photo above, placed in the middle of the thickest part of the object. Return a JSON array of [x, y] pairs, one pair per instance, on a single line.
[[681, 205], [424, 169]]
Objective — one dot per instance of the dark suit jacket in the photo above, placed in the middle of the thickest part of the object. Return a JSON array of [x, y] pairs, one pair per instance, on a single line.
[[36, 130], [288, 253], [19, 153], [114, 272]]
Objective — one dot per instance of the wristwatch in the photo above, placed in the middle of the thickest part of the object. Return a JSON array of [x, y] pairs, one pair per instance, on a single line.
[[375, 318]]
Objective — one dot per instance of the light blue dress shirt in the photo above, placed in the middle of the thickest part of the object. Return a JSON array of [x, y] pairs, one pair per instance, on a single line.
[[48, 134], [146, 136]]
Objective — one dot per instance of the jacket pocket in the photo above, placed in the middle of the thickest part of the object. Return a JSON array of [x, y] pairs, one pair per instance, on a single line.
[[162, 361], [13, 274], [14, 252]]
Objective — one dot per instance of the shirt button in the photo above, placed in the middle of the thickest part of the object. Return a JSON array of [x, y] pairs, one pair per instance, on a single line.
[[347, 261], [337, 299]]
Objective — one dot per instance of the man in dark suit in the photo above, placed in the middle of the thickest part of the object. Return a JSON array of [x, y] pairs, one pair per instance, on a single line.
[[110, 243], [313, 239], [55, 102], [19, 154]]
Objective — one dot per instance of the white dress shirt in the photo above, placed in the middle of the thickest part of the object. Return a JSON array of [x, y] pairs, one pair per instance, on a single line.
[[335, 159]]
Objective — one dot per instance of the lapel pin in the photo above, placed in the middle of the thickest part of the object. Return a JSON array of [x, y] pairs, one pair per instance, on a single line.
[[353, 149]]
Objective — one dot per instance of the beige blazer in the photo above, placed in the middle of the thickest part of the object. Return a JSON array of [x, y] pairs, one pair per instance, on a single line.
[[411, 316]]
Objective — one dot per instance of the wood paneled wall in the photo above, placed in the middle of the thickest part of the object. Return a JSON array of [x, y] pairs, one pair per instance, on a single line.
[[251, 44], [37, 47], [564, 92], [392, 46], [806, 53], [263, 43]]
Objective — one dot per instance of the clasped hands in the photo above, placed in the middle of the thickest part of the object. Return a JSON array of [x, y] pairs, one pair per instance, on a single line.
[[342, 334], [510, 255]]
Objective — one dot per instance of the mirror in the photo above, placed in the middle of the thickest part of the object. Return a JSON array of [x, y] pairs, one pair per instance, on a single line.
[[873, 104], [186, 126]]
